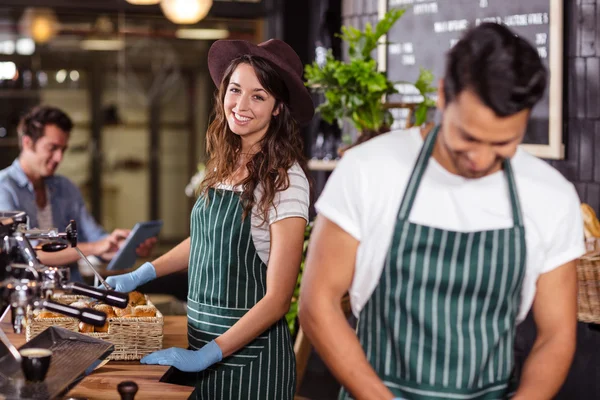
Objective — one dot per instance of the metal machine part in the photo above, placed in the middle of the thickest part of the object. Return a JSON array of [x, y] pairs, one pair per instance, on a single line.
[[28, 285]]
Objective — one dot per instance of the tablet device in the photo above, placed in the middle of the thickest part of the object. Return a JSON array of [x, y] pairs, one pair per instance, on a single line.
[[126, 256]]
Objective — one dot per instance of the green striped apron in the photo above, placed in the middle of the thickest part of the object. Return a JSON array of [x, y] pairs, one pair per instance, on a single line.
[[441, 321], [226, 279]]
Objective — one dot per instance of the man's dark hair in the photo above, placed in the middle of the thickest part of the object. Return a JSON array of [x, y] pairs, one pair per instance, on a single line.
[[33, 123], [502, 69]]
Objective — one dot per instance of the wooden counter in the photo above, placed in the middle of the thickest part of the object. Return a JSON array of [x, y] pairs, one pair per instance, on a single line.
[[102, 383]]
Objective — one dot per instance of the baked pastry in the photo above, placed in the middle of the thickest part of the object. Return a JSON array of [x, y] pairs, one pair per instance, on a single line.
[[106, 309], [144, 311], [103, 328], [136, 299], [49, 314], [590, 221], [80, 304], [121, 312], [86, 328]]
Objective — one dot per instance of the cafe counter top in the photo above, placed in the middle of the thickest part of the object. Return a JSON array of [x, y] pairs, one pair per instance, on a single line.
[[102, 383]]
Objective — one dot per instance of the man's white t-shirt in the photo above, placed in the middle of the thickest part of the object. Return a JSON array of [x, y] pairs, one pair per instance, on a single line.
[[364, 193]]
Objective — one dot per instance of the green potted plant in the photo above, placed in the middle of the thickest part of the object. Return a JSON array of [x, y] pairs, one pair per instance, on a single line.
[[355, 90], [292, 315]]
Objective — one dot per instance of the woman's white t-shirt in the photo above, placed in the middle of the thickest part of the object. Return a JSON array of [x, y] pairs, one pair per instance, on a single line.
[[292, 202], [364, 193]]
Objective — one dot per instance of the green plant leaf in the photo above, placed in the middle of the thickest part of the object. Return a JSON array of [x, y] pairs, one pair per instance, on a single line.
[[354, 90], [421, 114], [423, 83]]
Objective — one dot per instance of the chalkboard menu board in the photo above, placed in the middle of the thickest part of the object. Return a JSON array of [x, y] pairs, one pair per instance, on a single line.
[[428, 29]]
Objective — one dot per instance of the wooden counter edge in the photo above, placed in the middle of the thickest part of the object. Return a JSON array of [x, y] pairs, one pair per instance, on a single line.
[[102, 383]]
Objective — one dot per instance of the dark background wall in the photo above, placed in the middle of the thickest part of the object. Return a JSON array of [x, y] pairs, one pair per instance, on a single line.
[[582, 99], [581, 90]]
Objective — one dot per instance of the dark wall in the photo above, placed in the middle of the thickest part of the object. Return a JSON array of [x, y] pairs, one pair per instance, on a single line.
[[581, 90], [582, 99]]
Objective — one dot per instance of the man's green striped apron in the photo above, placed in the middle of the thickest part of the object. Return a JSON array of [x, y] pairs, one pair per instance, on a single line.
[[441, 322], [226, 279]]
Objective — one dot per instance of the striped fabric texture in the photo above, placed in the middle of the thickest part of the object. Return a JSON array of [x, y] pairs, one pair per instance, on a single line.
[[441, 322], [226, 279], [292, 202]]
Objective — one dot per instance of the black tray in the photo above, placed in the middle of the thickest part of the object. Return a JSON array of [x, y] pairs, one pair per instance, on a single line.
[[73, 357]]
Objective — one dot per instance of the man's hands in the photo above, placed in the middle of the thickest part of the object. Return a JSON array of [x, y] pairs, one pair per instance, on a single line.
[[145, 249], [107, 247]]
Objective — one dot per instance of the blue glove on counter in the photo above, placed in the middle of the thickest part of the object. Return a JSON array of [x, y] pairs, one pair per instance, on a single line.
[[186, 360], [128, 282]]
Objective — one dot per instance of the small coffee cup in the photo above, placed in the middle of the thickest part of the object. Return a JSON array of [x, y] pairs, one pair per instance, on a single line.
[[35, 363]]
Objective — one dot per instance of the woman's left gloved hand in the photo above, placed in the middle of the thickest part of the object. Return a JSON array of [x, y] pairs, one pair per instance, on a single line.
[[186, 360]]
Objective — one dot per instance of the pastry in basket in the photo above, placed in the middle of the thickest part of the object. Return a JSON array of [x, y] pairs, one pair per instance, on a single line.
[[49, 314], [144, 311], [80, 304], [590, 221], [136, 299], [101, 329], [86, 328], [106, 309], [121, 312]]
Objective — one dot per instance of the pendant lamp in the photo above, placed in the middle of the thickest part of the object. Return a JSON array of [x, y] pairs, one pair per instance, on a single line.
[[143, 2], [185, 11]]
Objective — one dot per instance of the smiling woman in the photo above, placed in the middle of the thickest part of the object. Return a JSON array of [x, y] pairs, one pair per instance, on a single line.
[[254, 113], [247, 228], [248, 106]]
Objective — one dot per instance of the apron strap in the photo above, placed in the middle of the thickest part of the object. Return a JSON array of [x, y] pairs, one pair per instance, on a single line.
[[417, 174], [421, 165], [514, 195]]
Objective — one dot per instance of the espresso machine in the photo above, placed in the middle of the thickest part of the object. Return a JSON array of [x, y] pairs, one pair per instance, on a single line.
[[26, 286]]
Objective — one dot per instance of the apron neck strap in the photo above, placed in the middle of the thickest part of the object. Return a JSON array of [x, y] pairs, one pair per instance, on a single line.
[[421, 165]]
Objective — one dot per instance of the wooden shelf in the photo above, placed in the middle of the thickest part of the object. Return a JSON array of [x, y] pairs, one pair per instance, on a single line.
[[20, 93], [9, 142], [322, 165]]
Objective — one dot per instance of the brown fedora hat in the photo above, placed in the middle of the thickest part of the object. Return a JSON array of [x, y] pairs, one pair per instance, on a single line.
[[281, 55]]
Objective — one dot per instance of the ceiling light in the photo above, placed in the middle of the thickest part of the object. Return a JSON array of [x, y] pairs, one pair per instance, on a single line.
[[202, 34], [25, 46], [143, 2], [7, 47], [61, 76], [103, 44], [39, 23], [8, 70], [185, 11]]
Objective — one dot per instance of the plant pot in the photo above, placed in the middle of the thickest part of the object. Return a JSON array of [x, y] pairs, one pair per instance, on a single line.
[[365, 135], [431, 112]]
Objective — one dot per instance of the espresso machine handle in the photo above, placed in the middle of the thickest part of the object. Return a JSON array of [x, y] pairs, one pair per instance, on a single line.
[[110, 297], [85, 315], [71, 233]]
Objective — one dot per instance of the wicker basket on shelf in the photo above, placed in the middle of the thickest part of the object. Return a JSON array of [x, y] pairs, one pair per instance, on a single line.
[[588, 297], [133, 337], [588, 269]]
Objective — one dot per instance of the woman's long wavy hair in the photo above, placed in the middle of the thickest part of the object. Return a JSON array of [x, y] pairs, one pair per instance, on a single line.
[[280, 148]]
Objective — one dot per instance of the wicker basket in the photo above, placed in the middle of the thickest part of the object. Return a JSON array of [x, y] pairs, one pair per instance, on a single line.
[[588, 276], [133, 337]]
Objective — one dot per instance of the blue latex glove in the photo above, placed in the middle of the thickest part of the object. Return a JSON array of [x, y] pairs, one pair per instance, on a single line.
[[186, 360], [128, 282]]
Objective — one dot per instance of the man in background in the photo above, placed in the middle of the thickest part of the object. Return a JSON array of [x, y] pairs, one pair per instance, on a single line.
[[31, 185]]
